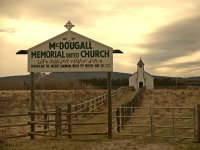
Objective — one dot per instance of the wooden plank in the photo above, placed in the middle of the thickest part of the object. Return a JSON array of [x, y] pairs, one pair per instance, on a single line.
[[39, 134], [14, 125], [19, 136], [95, 133], [58, 121], [118, 120], [90, 123], [86, 113], [14, 115], [69, 121], [42, 122], [42, 113]]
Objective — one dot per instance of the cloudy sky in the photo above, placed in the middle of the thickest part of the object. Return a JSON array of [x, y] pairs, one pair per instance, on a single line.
[[165, 33]]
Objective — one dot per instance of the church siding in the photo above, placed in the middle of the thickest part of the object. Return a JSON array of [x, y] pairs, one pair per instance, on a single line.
[[149, 81], [141, 77]]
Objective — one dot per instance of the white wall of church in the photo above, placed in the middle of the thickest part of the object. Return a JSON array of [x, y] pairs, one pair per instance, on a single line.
[[141, 77], [132, 80], [149, 81]]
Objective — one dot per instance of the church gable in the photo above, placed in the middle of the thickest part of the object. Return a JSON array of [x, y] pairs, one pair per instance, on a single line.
[[146, 74], [141, 77]]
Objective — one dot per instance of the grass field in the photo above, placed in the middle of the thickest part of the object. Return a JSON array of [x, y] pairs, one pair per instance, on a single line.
[[157, 98]]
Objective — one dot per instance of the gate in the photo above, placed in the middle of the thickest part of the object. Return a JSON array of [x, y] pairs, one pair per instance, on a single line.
[[171, 122]]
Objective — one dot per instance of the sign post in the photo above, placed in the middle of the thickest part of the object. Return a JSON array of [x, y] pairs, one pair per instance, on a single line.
[[32, 104], [109, 105]]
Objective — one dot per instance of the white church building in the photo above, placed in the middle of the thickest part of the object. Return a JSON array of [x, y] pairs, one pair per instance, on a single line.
[[141, 78]]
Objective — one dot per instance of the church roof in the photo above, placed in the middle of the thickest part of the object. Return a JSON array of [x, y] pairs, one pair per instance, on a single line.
[[140, 62]]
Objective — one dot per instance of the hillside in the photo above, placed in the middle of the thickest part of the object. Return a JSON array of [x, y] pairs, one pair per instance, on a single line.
[[78, 80], [55, 80], [26, 78]]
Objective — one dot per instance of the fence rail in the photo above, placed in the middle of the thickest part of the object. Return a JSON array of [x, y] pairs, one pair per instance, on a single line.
[[53, 123], [153, 122], [89, 107], [5, 128]]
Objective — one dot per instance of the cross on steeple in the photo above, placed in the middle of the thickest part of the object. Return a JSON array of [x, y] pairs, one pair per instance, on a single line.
[[69, 25]]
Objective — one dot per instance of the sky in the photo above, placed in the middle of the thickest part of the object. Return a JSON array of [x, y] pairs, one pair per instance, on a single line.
[[164, 33]]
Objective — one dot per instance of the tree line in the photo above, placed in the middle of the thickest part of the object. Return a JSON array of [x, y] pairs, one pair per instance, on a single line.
[[102, 82], [51, 83], [173, 81]]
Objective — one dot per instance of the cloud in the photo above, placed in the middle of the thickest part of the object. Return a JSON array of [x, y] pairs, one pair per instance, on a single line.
[[80, 12], [184, 65], [177, 39], [7, 30]]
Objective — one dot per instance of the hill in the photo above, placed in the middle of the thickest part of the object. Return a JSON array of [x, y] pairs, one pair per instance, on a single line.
[[55, 80], [77, 80]]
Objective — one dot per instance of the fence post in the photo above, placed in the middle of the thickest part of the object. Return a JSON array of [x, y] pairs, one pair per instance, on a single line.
[[32, 104], [82, 106], [126, 113], [116, 95], [152, 121], [109, 86], [104, 99], [129, 110], [118, 116], [122, 117], [173, 123], [132, 105], [198, 123], [69, 121], [46, 120], [99, 101], [58, 121], [93, 103], [140, 97], [75, 109], [88, 106]]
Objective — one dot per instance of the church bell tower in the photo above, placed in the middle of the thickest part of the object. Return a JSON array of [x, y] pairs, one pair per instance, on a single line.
[[140, 74]]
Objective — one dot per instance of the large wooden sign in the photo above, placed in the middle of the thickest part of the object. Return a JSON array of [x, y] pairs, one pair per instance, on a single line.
[[70, 52]]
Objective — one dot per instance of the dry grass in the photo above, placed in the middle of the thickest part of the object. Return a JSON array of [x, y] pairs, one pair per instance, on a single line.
[[172, 98], [19, 101], [164, 98], [163, 117]]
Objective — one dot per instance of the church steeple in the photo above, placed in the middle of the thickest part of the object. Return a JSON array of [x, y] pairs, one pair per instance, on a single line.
[[141, 78], [140, 64]]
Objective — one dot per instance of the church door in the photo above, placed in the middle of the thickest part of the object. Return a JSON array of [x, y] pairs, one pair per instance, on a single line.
[[140, 85]]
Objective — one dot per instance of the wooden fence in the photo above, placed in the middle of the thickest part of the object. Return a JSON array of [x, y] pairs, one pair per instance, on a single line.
[[9, 130], [173, 122], [61, 120], [126, 113]]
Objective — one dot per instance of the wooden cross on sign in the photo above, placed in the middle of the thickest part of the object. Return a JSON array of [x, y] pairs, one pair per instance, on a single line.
[[69, 25]]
